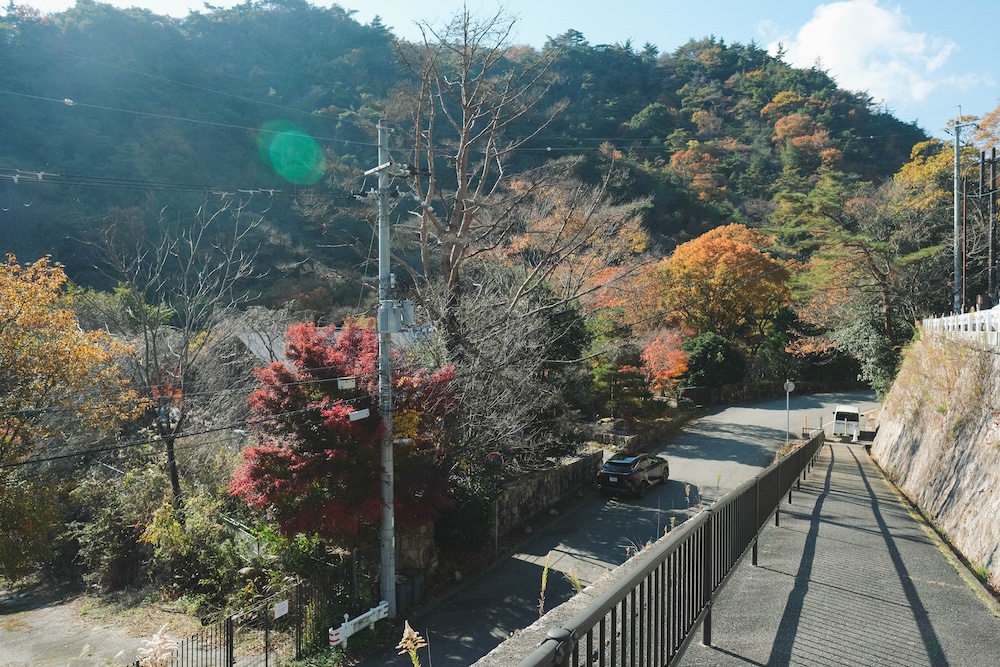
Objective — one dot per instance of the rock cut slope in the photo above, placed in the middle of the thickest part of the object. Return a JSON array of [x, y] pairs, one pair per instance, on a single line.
[[939, 442]]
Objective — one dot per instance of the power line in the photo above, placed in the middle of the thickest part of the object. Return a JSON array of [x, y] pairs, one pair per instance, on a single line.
[[158, 77], [73, 103], [154, 440]]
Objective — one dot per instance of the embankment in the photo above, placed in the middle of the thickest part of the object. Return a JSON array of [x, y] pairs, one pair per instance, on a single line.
[[939, 442]]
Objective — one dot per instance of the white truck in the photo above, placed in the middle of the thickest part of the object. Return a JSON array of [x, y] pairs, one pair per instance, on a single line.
[[847, 422]]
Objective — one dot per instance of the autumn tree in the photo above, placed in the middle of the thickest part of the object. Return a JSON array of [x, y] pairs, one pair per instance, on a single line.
[[723, 282], [313, 465], [665, 361], [62, 394]]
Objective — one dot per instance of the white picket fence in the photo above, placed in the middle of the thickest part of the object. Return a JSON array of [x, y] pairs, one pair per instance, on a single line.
[[983, 325]]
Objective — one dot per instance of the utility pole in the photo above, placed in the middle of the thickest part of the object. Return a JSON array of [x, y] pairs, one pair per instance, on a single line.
[[991, 269], [392, 317], [957, 304], [385, 312]]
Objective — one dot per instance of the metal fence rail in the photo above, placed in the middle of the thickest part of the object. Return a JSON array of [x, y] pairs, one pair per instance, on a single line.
[[651, 617]]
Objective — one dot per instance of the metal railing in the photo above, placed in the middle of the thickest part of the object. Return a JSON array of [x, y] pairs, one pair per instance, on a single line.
[[652, 616], [983, 325]]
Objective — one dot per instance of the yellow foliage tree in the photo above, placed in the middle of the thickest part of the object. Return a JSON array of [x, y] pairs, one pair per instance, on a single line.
[[58, 385]]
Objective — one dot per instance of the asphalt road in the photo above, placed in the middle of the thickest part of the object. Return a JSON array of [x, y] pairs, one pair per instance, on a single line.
[[709, 458]]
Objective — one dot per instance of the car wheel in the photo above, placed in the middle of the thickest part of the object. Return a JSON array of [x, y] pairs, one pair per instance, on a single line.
[[665, 476], [641, 490]]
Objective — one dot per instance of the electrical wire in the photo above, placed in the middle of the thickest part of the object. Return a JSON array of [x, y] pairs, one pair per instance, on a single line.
[[179, 436], [73, 103]]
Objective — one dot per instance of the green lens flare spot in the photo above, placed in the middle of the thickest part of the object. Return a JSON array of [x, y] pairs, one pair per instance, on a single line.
[[291, 152]]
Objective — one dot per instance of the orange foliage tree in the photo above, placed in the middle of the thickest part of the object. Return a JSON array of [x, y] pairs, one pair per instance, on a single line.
[[664, 360], [569, 231], [722, 282]]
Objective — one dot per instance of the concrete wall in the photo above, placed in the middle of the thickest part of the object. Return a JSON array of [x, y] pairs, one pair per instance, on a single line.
[[939, 442], [526, 498]]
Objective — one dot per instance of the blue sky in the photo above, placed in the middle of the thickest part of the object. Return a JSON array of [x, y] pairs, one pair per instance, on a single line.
[[921, 59]]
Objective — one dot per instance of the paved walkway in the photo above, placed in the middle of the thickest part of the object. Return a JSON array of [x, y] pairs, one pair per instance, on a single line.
[[852, 577]]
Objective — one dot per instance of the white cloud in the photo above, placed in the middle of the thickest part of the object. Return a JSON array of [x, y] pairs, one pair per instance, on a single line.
[[872, 48]]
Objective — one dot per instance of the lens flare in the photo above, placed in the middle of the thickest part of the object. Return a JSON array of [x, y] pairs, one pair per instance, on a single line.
[[291, 152]]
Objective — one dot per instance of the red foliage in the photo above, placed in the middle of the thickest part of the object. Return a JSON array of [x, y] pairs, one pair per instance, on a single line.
[[664, 360], [315, 470]]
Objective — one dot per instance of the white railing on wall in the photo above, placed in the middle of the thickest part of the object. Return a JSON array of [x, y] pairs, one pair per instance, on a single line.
[[983, 325]]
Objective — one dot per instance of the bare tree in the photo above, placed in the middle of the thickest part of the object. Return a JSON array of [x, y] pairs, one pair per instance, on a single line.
[[468, 98], [174, 291], [512, 379], [499, 247]]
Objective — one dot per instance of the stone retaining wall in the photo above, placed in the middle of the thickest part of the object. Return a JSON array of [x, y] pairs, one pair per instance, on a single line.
[[526, 498]]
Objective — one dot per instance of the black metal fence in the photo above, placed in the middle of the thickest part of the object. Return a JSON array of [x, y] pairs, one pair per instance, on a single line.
[[651, 617], [286, 625]]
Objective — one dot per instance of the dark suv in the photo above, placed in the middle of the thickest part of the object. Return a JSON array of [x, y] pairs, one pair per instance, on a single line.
[[632, 474]]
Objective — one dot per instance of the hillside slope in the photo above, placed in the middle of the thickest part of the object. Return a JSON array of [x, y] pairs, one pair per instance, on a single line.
[[939, 442]]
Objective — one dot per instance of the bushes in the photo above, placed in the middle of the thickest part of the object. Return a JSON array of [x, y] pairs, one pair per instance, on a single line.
[[112, 515], [193, 552], [468, 523]]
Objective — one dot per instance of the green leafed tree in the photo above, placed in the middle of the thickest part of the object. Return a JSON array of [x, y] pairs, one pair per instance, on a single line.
[[877, 260], [713, 361]]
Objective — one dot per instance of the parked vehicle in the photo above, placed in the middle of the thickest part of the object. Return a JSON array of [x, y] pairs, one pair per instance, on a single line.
[[632, 474], [847, 422]]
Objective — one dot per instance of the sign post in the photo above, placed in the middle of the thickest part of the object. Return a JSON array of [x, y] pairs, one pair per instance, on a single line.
[[789, 388]]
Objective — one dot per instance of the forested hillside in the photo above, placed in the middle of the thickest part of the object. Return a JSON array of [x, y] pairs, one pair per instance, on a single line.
[[108, 111]]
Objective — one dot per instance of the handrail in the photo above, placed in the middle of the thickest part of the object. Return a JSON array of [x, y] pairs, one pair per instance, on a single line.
[[651, 617]]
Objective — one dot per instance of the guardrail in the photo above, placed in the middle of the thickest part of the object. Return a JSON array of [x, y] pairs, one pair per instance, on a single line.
[[651, 617], [983, 325]]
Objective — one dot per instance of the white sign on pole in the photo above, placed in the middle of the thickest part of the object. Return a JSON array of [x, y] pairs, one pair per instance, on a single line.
[[280, 608]]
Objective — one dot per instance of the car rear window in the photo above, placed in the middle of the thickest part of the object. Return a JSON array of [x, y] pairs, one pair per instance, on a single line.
[[617, 467]]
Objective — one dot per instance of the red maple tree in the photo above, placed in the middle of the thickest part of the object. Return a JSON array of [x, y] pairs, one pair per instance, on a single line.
[[664, 360], [313, 468]]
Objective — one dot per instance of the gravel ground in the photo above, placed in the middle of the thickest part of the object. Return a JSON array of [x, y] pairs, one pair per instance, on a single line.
[[50, 630]]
